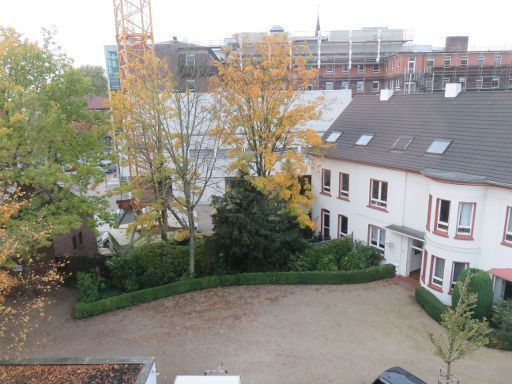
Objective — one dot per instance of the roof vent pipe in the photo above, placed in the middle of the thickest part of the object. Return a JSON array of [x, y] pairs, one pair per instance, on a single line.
[[385, 94], [452, 89]]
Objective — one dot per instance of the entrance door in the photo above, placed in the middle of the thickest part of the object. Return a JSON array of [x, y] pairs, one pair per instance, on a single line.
[[415, 257]]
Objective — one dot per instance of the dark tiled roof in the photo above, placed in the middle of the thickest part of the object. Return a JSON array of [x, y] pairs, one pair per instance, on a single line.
[[479, 123]]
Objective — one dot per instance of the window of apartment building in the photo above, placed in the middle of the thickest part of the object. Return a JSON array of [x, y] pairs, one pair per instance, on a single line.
[[345, 68], [510, 83], [360, 86], [344, 185], [377, 237], [481, 60], [397, 86], [392, 65], [437, 271], [438, 146], [409, 87], [479, 83], [376, 68], [378, 193], [497, 60], [344, 85], [447, 61], [342, 226], [360, 68], [464, 61], [333, 137], [442, 215], [495, 83], [190, 60], [364, 139], [445, 81], [375, 86], [402, 143], [329, 68], [457, 269], [507, 233], [191, 85], [329, 86], [465, 219], [411, 65], [326, 224], [326, 181], [430, 63]]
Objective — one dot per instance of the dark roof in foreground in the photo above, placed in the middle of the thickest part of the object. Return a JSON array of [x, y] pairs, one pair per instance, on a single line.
[[479, 123]]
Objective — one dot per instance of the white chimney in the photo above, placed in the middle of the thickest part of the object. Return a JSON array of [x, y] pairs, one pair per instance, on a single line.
[[452, 89], [385, 94]]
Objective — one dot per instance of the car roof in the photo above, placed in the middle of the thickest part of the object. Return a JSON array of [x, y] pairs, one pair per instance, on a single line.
[[398, 375]]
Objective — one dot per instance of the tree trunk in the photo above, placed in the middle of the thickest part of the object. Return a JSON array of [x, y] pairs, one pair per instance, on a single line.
[[192, 241], [448, 370], [163, 224]]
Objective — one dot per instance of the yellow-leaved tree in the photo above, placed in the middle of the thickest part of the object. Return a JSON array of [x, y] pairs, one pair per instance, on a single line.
[[258, 93]]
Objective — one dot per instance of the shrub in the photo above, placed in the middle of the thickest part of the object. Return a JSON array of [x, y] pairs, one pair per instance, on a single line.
[[89, 284], [501, 319], [502, 340], [480, 284], [429, 303], [125, 300]]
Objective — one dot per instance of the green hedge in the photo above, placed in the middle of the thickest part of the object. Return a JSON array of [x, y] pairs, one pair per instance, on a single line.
[[429, 303], [83, 310], [504, 340]]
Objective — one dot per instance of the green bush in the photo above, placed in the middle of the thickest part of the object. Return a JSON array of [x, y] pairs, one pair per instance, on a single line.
[[501, 319], [336, 255], [480, 284], [430, 303], [125, 300], [502, 340], [89, 284]]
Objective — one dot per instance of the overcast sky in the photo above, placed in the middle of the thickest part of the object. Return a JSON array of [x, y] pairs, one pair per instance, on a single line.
[[84, 26]]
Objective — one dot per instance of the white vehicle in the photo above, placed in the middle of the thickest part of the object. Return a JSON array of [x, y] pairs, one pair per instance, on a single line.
[[182, 379]]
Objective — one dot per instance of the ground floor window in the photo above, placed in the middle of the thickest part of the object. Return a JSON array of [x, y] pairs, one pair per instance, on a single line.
[[457, 269], [342, 226], [377, 237], [326, 224], [437, 271]]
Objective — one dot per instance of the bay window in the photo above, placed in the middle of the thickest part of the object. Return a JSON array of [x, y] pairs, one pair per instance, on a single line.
[[457, 269], [442, 215], [437, 271], [465, 219]]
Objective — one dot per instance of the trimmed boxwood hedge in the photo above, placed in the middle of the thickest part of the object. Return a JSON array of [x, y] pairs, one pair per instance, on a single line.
[[83, 310], [429, 303]]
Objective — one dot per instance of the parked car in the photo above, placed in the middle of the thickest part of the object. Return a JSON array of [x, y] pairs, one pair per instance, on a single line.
[[397, 375]]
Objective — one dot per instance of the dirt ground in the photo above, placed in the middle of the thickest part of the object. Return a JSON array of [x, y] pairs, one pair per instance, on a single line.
[[269, 334]]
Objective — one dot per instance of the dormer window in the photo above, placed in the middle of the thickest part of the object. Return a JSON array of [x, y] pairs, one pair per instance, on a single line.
[[439, 146], [365, 139]]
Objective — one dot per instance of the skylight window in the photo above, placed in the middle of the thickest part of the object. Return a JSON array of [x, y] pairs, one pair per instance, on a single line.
[[438, 146], [333, 137], [365, 139], [402, 143]]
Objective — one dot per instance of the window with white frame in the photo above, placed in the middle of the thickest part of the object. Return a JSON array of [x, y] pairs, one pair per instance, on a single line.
[[360, 86], [507, 236], [329, 86], [443, 215], [326, 181], [447, 61], [457, 269], [411, 66], [360, 68], [329, 68], [375, 86], [191, 85], [190, 60], [342, 225], [344, 85], [376, 68], [345, 68], [379, 193], [438, 271], [497, 60], [464, 60], [510, 83], [430, 63], [465, 219], [377, 237], [344, 185], [481, 60], [364, 139], [495, 83], [326, 224]]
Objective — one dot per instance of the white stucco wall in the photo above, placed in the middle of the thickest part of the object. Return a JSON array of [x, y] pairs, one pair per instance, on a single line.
[[408, 196]]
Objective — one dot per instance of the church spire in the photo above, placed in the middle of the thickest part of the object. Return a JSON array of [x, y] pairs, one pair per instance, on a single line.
[[317, 30]]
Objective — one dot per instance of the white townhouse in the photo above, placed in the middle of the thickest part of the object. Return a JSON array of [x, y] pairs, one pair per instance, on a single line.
[[426, 179]]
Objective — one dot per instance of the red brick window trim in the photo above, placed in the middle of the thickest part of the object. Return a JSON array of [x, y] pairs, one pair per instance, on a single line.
[[465, 220], [326, 182], [442, 217], [344, 186], [507, 229]]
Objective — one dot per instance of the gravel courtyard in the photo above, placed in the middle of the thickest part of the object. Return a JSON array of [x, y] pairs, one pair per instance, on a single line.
[[269, 334]]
